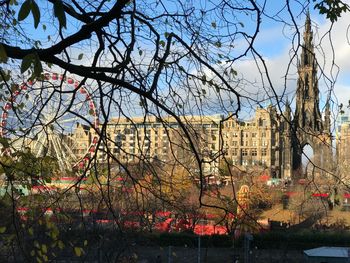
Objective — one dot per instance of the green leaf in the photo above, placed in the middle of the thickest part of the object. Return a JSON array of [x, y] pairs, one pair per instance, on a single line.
[[24, 11], [78, 251], [213, 24], [26, 62], [30, 231], [140, 52], [80, 56], [60, 244], [38, 68], [59, 13], [35, 13], [2, 229], [233, 72], [44, 248], [162, 43], [204, 79], [32, 253], [218, 44], [3, 54]]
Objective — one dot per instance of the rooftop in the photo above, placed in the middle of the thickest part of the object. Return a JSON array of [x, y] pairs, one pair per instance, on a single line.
[[336, 252]]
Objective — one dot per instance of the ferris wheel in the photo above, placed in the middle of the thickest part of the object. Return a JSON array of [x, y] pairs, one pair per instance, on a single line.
[[52, 116]]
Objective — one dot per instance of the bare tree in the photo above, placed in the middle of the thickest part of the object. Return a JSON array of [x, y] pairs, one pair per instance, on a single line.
[[147, 74]]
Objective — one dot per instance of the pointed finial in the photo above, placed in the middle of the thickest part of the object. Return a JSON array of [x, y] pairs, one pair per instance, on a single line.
[[308, 21]]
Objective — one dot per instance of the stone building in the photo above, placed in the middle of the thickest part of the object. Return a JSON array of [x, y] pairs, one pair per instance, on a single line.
[[342, 146], [254, 142], [270, 139]]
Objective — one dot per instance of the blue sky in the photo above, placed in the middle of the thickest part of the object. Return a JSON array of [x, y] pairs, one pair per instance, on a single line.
[[274, 42]]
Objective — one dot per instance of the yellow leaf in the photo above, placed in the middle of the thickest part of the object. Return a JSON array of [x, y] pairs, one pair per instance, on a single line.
[[44, 248], [78, 251], [38, 260], [32, 253], [46, 259], [30, 231], [54, 233], [60, 244], [2, 229], [85, 243]]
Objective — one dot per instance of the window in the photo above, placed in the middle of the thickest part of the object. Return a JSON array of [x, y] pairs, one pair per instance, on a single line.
[[254, 152], [234, 152], [234, 143], [253, 134], [264, 143], [244, 152], [254, 143], [263, 134], [235, 134], [263, 152]]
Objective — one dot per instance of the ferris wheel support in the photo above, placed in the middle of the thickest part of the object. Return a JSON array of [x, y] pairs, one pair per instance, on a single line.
[[43, 114]]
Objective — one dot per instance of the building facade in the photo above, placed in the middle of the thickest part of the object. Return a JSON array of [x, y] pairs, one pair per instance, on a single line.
[[270, 139], [342, 146]]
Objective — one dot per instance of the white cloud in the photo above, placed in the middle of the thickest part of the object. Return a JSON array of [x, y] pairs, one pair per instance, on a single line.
[[325, 43]]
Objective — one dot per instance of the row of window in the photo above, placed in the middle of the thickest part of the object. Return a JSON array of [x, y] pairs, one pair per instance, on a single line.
[[247, 143], [247, 152], [247, 134]]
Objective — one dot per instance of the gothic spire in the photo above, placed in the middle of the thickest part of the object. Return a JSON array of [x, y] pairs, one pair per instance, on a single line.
[[307, 113], [287, 111], [308, 22], [327, 117], [307, 58]]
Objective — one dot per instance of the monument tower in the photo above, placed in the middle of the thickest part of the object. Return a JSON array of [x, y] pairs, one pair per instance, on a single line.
[[308, 127]]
